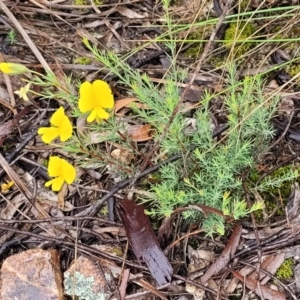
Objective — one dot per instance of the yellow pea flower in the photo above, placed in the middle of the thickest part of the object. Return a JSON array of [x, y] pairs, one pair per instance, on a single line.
[[13, 69], [62, 171], [94, 97], [61, 128], [22, 92]]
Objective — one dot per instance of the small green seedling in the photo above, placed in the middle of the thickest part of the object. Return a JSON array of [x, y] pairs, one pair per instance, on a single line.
[[12, 36]]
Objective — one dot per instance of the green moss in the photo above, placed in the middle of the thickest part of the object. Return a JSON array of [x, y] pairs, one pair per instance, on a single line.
[[6, 147], [293, 69], [244, 5], [193, 51], [217, 61], [274, 194], [285, 188], [238, 33], [82, 60], [277, 34], [197, 47], [198, 36], [80, 2], [104, 211], [286, 269]]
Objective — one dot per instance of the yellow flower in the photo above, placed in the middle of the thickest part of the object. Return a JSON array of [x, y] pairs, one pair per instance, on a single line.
[[13, 69], [22, 92], [93, 98], [61, 128], [62, 171], [6, 186]]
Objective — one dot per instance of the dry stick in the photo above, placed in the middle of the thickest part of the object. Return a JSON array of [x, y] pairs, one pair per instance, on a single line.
[[51, 12], [259, 251], [60, 220], [26, 37], [92, 210], [274, 278], [284, 132], [198, 285], [70, 245], [25, 190], [189, 85], [10, 157], [267, 243]]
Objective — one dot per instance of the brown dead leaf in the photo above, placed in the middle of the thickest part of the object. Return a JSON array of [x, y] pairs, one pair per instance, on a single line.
[[270, 263], [13, 205], [140, 133], [119, 231], [252, 284], [126, 102], [61, 196], [226, 255], [128, 13], [143, 240], [164, 231], [199, 259], [286, 106], [272, 267], [123, 155], [234, 281]]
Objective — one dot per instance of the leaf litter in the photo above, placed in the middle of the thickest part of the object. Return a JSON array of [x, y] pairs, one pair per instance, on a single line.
[[27, 201]]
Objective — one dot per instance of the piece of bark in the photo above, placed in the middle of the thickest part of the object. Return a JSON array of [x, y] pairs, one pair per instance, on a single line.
[[143, 240], [32, 274]]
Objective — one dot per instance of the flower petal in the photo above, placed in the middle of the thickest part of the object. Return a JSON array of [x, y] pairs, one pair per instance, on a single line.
[[86, 101], [66, 129], [22, 92], [69, 172], [92, 116], [56, 183], [103, 94], [27, 87], [55, 168], [48, 183], [48, 134], [57, 117], [101, 113]]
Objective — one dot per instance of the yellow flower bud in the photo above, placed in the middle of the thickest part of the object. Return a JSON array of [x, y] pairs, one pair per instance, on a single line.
[[13, 69]]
